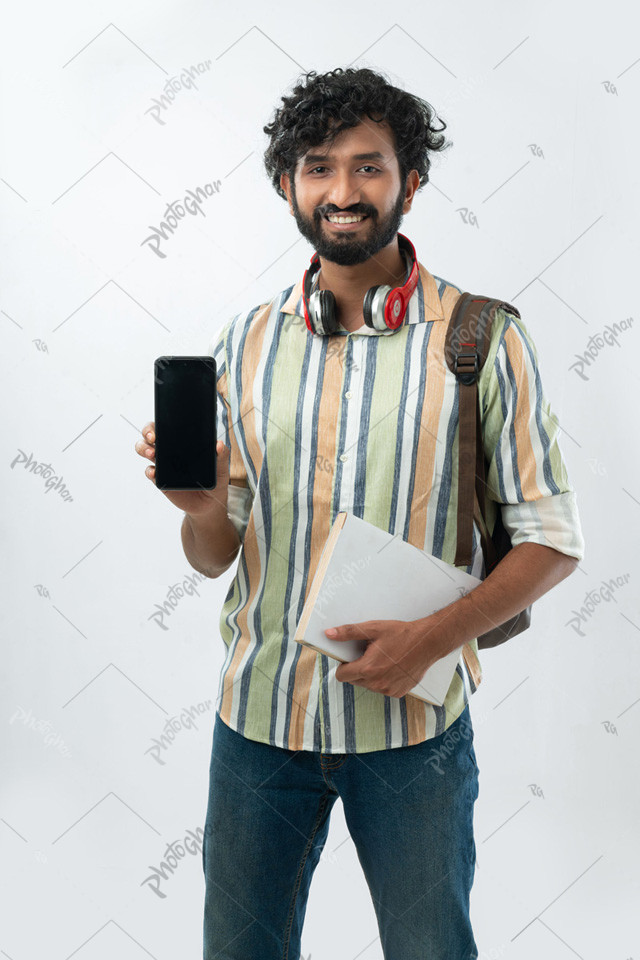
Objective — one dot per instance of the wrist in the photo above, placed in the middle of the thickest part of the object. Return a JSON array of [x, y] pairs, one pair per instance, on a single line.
[[213, 507], [450, 627]]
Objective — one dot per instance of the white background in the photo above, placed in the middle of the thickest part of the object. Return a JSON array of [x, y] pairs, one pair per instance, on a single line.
[[90, 679]]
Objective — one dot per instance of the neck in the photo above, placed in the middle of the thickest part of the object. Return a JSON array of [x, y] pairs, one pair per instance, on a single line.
[[349, 284]]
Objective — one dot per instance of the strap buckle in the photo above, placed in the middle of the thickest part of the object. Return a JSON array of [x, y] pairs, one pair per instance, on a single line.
[[468, 375]]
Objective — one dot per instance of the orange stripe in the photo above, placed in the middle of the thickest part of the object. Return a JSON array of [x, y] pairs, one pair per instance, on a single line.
[[250, 358], [425, 462], [524, 450]]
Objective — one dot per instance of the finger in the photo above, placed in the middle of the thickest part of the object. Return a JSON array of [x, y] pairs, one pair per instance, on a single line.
[[145, 450], [149, 431], [151, 473], [353, 631], [348, 674]]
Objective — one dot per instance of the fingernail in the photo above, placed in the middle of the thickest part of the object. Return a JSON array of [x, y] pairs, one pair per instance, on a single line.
[[332, 632]]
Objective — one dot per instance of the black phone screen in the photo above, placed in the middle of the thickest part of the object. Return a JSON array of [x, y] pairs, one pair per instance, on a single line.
[[185, 421]]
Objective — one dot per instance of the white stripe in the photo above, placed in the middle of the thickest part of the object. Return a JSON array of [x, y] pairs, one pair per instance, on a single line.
[[297, 591], [552, 521]]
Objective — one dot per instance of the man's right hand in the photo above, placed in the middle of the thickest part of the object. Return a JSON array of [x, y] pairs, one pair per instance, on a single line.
[[194, 502]]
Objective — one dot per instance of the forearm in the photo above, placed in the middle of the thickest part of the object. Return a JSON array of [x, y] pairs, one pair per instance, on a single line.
[[210, 541], [526, 573]]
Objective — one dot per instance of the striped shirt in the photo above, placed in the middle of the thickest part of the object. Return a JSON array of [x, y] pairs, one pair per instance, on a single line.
[[363, 422]]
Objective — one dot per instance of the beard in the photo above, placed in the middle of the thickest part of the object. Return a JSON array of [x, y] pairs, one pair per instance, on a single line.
[[348, 249]]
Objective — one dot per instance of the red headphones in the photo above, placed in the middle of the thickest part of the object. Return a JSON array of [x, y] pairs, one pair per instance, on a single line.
[[383, 307]]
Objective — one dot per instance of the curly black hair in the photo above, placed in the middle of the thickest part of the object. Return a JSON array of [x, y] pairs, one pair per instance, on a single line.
[[340, 99]]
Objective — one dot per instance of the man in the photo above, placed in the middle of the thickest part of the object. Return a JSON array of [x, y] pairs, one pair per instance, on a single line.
[[361, 420]]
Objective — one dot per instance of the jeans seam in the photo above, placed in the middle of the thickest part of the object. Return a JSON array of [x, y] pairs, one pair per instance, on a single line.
[[305, 857], [471, 789]]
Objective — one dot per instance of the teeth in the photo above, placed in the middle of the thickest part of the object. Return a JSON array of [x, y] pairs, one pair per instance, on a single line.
[[344, 219]]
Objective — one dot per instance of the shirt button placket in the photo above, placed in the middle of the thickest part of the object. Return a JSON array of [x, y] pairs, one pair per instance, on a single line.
[[351, 437]]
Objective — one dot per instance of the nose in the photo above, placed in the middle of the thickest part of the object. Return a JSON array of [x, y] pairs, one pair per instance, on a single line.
[[344, 192]]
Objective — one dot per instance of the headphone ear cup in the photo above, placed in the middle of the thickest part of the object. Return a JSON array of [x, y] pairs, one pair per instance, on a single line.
[[322, 306], [373, 306], [366, 306], [329, 312]]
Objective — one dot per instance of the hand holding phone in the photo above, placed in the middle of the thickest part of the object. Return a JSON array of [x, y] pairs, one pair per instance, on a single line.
[[193, 502]]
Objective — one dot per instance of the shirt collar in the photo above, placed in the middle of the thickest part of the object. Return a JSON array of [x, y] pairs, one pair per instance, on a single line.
[[424, 305]]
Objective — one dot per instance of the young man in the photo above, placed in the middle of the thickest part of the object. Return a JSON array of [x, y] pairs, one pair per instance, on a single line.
[[362, 420]]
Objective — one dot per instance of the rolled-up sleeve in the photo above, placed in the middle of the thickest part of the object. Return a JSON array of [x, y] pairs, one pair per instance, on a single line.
[[527, 475], [239, 495]]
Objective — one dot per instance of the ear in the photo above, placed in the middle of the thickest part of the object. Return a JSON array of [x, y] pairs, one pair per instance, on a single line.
[[413, 182], [286, 186]]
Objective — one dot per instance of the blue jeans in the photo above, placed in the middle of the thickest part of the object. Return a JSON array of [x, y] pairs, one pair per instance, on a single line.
[[409, 811]]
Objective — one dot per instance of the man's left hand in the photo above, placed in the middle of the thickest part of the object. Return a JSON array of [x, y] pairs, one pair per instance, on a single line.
[[398, 654]]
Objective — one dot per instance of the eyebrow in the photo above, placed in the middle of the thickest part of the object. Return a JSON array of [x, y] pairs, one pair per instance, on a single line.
[[321, 157]]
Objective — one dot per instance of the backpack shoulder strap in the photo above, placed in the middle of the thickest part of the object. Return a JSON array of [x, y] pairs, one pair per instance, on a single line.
[[466, 347], [470, 327]]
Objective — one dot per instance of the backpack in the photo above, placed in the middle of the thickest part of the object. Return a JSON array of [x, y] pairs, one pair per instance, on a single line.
[[466, 347]]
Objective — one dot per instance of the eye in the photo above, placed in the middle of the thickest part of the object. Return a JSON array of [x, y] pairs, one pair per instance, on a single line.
[[365, 166]]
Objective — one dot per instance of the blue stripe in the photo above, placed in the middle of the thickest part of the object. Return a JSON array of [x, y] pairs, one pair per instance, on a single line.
[[544, 437], [503, 406], [512, 428], [444, 493]]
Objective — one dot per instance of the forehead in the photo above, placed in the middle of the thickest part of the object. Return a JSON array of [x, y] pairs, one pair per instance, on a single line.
[[366, 141]]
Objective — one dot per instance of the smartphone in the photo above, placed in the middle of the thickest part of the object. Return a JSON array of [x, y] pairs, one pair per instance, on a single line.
[[185, 420]]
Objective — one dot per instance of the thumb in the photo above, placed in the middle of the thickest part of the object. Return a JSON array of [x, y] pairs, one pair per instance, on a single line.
[[344, 632], [354, 631], [223, 455]]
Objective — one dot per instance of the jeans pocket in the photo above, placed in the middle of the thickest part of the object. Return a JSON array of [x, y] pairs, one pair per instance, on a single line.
[[475, 777], [467, 734], [472, 754]]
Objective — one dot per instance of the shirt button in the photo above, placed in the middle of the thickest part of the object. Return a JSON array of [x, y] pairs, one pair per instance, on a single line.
[[348, 394], [343, 457]]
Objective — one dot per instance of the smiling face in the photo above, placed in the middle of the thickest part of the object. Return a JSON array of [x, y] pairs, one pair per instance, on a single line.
[[357, 175]]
